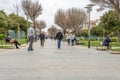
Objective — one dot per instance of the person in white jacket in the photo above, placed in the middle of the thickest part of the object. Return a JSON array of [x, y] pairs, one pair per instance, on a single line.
[[68, 38], [72, 37], [31, 36]]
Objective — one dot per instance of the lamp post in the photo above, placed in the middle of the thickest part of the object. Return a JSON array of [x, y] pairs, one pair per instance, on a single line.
[[89, 9]]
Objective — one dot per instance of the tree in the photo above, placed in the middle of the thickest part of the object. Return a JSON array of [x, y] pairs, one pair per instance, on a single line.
[[23, 24], [84, 33], [11, 21], [13, 24], [61, 20], [110, 22], [70, 20], [76, 19], [78, 31], [40, 25], [3, 21], [14, 20], [32, 9], [97, 31], [114, 4]]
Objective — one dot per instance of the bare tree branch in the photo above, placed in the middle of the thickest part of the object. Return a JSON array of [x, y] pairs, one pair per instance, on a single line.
[[61, 19], [40, 24], [76, 18], [71, 19], [113, 4], [32, 9]]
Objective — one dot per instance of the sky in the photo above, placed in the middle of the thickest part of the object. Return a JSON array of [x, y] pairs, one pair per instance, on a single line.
[[50, 8]]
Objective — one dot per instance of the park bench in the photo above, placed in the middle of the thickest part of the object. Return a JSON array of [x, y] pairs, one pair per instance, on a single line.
[[11, 43], [102, 47]]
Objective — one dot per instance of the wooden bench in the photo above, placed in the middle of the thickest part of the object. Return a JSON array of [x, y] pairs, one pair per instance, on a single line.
[[11, 43], [103, 47]]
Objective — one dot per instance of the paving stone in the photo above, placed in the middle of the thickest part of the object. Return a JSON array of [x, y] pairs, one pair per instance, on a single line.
[[50, 63]]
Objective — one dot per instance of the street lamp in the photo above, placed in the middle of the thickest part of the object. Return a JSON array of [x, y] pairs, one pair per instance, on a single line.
[[89, 9]]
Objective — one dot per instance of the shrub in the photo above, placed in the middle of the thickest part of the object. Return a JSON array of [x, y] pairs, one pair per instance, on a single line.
[[2, 36], [92, 39], [113, 39], [101, 39], [25, 37]]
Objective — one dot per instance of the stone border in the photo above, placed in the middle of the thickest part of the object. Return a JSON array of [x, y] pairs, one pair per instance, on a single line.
[[114, 52]]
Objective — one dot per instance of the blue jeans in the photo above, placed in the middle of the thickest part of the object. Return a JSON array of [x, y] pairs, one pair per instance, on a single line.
[[59, 43], [31, 39], [68, 41]]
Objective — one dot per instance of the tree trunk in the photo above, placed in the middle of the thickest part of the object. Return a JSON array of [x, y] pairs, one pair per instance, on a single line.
[[118, 36], [18, 33], [64, 31], [35, 29], [74, 32], [5, 31]]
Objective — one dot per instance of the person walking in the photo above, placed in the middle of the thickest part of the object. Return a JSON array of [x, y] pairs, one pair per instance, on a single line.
[[68, 39], [72, 37], [42, 38], [31, 36], [59, 37]]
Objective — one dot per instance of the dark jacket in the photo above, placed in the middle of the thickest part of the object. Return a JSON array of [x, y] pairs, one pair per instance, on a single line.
[[59, 35], [7, 39], [42, 36], [106, 41]]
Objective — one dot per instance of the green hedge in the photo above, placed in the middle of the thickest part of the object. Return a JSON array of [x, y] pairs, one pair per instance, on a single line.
[[2, 36], [113, 39]]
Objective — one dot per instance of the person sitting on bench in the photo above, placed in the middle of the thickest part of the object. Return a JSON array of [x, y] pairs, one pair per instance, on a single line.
[[9, 40], [106, 42]]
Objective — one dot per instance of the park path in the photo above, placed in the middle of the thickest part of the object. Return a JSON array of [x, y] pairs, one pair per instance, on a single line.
[[50, 63]]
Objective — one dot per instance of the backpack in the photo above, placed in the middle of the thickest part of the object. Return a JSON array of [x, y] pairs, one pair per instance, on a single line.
[[59, 35]]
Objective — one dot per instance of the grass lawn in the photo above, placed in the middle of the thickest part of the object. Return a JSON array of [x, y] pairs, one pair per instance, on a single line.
[[92, 43], [5, 47], [115, 45], [23, 41], [97, 43]]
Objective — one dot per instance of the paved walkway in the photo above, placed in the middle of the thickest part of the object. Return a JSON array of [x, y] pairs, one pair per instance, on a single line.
[[50, 63]]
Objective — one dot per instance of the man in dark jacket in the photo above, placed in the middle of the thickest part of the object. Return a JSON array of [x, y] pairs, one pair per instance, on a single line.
[[106, 42], [42, 38], [9, 40], [59, 37]]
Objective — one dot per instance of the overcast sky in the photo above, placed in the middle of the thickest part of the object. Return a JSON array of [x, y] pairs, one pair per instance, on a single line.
[[50, 7]]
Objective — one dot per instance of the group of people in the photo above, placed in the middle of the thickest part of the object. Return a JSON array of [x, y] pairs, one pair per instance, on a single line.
[[71, 38], [31, 37]]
